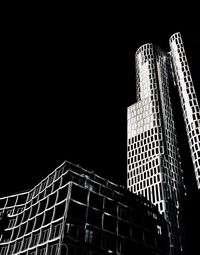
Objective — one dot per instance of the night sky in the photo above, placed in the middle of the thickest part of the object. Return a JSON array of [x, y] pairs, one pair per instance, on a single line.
[[67, 78], [65, 90]]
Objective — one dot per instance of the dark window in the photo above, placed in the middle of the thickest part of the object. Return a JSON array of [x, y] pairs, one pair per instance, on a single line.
[[2, 202], [79, 194], [51, 200], [51, 177], [110, 207], [96, 201], [41, 251], [109, 223], [109, 243], [149, 238], [10, 251], [34, 239], [56, 185], [62, 193], [123, 228], [34, 210], [41, 195], [26, 243], [30, 225], [19, 218], [11, 201], [39, 221], [56, 230], [149, 223], [106, 192], [59, 211], [44, 235], [77, 212], [21, 199], [137, 234], [48, 216], [66, 178], [15, 233], [53, 249], [18, 246], [22, 229], [42, 205], [124, 212], [94, 217], [48, 190]]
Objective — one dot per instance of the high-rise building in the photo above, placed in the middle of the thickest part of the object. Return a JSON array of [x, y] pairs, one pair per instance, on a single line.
[[154, 164], [74, 211], [188, 98]]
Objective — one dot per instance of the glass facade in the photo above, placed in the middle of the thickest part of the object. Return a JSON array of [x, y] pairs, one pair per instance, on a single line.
[[189, 102], [154, 164], [73, 211]]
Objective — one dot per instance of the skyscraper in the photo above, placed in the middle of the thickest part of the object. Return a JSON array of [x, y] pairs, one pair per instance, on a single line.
[[188, 98], [154, 164]]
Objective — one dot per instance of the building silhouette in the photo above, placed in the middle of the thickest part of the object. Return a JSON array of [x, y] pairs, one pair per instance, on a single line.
[[154, 165], [188, 98], [74, 211]]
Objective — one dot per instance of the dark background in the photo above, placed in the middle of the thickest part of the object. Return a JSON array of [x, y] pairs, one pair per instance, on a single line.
[[66, 85], [67, 79]]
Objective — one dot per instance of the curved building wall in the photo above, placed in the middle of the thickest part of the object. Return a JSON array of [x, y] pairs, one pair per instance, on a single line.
[[154, 168], [189, 103], [74, 211], [35, 218]]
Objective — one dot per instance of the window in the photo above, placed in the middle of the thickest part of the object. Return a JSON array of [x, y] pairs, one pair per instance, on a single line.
[[11, 201], [48, 216], [94, 217], [10, 251], [3, 250], [76, 212], [42, 251], [11, 223], [53, 249], [79, 194], [26, 243], [59, 210], [18, 246], [32, 253], [110, 206], [96, 201], [124, 212], [56, 230], [124, 228], [44, 235], [137, 233], [89, 236], [109, 223], [159, 230], [35, 239], [62, 193], [149, 238]]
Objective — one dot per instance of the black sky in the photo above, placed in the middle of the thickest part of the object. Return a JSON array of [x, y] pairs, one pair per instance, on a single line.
[[66, 84]]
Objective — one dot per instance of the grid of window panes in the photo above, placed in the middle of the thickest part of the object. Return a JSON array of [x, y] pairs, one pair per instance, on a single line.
[[189, 102], [154, 168], [111, 220], [99, 216], [35, 217]]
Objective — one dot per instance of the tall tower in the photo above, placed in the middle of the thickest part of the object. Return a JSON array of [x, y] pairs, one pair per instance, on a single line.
[[154, 167], [188, 98]]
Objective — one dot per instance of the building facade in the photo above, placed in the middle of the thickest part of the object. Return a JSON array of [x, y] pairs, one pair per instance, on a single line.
[[189, 103], [154, 164], [73, 211]]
